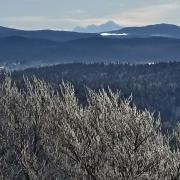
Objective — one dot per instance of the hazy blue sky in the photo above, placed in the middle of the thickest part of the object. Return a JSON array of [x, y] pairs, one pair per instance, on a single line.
[[66, 14]]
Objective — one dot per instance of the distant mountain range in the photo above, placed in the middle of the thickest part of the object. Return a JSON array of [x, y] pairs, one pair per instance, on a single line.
[[109, 26], [97, 49], [152, 43], [157, 30], [45, 34]]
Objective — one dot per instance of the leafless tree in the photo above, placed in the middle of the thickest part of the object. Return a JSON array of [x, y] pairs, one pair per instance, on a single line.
[[48, 134]]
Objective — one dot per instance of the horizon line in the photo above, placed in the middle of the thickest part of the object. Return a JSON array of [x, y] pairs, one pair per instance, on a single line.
[[56, 29]]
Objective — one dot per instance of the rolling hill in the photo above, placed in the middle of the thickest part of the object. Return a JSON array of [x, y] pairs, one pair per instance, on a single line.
[[155, 43], [45, 34], [162, 30], [100, 49]]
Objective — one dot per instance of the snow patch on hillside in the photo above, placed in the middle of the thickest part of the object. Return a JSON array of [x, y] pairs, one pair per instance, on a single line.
[[113, 34]]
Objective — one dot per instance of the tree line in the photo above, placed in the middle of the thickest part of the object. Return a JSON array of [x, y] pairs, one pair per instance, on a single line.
[[155, 87]]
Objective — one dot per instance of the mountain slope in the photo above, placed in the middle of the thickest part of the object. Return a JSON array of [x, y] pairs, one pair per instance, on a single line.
[[45, 34], [97, 49], [163, 30], [6, 30]]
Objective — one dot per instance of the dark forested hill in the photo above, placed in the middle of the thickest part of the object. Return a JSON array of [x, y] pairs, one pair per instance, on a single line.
[[154, 43], [97, 49], [45, 34], [155, 87]]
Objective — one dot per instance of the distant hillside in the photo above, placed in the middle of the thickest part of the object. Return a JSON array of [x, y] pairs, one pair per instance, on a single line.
[[97, 49], [4, 30], [45, 34], [163, 30], [109, 26], [21, 40], [154, 43]]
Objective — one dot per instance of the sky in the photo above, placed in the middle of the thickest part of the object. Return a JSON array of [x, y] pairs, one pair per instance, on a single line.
[[67, 14]]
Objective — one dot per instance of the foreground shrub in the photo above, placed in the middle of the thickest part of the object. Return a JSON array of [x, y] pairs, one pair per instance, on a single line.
[[45, 134]]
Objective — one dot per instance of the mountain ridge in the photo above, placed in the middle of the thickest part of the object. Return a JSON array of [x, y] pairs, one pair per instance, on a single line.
[[139, 46], [45, 34], [96, 49], [163, 29]]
